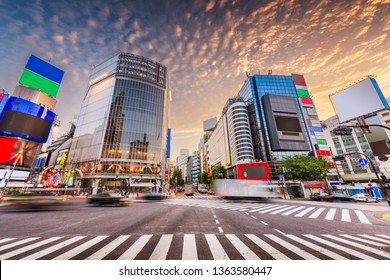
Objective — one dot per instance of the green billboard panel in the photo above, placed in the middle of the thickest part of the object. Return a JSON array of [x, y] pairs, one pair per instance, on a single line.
[[321, 142], [33, 80], [303, 92]]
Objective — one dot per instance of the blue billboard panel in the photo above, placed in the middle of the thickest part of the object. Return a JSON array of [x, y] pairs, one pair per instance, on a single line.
[[44, 69], [3, 100], [168, 155], [22, 118]]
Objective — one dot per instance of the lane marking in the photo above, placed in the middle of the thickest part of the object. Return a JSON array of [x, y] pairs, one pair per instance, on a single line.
[[304, 212], [279, 231], [81, 248], [161, 250], [330, 214], [254, 217], [189, 247], [217, 222], [282, 210], [216, 248], [345, 215], [134, 249], [293, 211], [362, 218], [108, 248], [242, 248], [317, 213], [264, 223], [220, 229], [276, 254]]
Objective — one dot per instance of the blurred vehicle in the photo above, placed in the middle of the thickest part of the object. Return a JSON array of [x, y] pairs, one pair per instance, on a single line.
[[180, 189], [152, 196], [188, 190], [341, 196], [189, 193], [108, 198], [33, 200], [321, 196], [364, 197], [195, 185], [202, 188]]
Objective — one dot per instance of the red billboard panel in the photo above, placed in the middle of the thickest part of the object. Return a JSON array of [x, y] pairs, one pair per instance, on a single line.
[[253, 171], [20, 152]]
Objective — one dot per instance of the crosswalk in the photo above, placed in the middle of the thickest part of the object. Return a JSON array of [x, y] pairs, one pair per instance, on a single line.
[[199, 246], [307, 211]]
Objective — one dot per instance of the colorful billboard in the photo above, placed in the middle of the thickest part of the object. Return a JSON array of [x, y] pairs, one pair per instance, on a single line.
[[253, 171], [42, 75], [360, 99], [20, 152], [22, 118]]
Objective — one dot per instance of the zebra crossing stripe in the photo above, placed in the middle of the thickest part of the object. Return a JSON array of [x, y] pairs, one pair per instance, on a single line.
[[28, 248], [317, 213], [375, 238], [242, 248], [108, 248], [274, 208], [52, 249], [6, 240], [339, 247], [345, 215], [216, 248], [17, 243], [282, 210], [304, 212], [330, 214], [293, 210], [162, 248], [382, 235], [134, 249], [311, 245], [77, 250], [362, 218], [295, 249], [262, 208], [358, 245], [276, 254], [362, 240], [189, 247]]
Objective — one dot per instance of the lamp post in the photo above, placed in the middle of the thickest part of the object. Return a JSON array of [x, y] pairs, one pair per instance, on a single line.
[[116, 178]]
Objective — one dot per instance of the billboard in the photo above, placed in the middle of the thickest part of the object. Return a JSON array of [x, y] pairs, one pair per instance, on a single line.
[[3, 100], [20, 152], [168, 153], [22, 118], [360, 99], [253, 171], [42, 75]]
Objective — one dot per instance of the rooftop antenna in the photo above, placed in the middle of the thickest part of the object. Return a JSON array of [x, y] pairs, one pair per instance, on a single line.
[[270, 72]]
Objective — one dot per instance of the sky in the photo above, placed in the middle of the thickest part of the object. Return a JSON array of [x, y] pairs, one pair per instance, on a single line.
[[207, 45]]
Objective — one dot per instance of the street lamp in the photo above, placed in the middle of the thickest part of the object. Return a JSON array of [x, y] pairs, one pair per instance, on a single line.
[[116, 178]]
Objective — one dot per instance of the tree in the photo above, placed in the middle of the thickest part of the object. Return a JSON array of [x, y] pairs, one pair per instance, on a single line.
[[305, 168], [218, 172], [204, 178], [176, 177]]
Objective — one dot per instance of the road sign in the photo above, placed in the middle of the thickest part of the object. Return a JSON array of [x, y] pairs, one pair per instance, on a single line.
[[280, 176], [363, 161]]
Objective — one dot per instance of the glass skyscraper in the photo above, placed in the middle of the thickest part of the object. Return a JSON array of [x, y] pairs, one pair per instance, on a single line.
[[122, 124]]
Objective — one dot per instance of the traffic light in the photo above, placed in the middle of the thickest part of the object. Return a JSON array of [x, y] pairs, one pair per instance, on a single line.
[[342, 130]]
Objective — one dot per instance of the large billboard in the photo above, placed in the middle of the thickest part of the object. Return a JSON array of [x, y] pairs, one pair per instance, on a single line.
[[20, 152], [362, 98], [22, 118], [253, 171], [42, 75]]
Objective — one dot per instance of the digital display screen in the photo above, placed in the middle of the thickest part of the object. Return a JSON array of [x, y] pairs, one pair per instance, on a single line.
[[21, 124], [20, 152], [34, 80], [377, 138], [44, 69], [285, 123], [252, 172]]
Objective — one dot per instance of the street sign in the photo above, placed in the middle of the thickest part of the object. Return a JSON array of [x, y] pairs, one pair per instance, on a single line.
[[280, 176], [342, 130], [363, 161]]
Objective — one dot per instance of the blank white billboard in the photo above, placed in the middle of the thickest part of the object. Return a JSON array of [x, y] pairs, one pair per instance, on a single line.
[[360, 99]]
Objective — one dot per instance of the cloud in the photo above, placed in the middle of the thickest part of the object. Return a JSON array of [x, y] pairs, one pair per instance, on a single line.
[[59, 38]]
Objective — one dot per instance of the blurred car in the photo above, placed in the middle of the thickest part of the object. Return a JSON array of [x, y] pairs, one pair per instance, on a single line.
[[108, 198], [152, 196], [32, 200], [364, 197], [189, 193], [321, 196], [341, 196], [195, 185], [202, 188]]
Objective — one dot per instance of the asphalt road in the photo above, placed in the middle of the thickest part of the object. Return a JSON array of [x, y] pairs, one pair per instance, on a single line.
[[197, 228]]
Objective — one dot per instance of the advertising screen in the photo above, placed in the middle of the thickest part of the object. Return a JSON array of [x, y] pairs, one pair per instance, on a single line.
[[285, 123], [358, 100], [253, 171], [20, 152]]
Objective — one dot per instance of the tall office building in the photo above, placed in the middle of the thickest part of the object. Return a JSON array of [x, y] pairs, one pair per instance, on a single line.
[[284, 118], [122, 125]]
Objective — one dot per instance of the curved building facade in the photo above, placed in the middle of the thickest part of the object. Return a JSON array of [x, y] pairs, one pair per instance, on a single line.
[[122, 124], [239, 133]]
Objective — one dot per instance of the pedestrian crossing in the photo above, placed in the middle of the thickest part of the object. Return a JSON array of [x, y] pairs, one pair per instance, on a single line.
[[312, 212], [198, 246]]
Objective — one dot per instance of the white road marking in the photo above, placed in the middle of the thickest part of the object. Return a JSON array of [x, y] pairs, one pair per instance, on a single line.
[[293, 210], [108, 248], [382, 235], [6, 240], [317, 213], [220, 229], [330, 214], [189, 247], [282, 210], [264, 223], [161, 250], [375, 238], [363, 240], [362, 218], [17, 243], [241, 247], [345, 215], [272, 208], [217, 222], [253, 217], [216, 248], [134, 249], [75, 251], [304, 212], [277, 255]]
